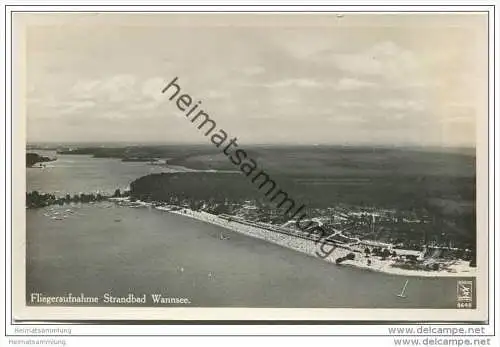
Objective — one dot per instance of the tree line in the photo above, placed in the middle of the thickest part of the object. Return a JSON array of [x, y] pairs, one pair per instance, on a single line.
[[35, 199]]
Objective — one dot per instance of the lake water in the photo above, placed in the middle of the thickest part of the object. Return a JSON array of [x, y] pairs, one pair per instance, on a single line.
[[106, 248], [74, 174]]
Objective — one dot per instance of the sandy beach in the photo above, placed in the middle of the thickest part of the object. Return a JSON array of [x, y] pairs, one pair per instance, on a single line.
[[458, 269]]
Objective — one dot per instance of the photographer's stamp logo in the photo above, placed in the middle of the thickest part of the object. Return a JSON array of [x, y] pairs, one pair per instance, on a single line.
[[464, 291]]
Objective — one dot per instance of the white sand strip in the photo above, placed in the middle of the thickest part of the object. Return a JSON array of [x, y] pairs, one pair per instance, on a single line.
[[461, 268]]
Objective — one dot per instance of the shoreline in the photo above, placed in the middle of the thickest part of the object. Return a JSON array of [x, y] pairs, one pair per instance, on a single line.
[[459, 269]]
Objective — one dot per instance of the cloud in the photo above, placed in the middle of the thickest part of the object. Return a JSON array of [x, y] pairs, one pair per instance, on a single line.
[[76, 106], [400, 104], [347, 119], [351, 104], [353, 84], [458, 119], [343, 84], [114, 88], [114, 115], [151, 88], [110, 97], [389, 78], [253, 70], [117, 88], [217, 94], [295, 82], [384, 59], [85, 89]]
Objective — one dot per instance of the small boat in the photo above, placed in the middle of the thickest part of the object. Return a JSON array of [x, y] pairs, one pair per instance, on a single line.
[[402, 294]]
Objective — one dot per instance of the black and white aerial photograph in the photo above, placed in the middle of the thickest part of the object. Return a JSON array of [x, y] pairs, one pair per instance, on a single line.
[[254, 161]]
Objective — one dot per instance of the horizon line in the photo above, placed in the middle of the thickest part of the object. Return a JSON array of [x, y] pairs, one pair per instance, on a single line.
[[360, 144]]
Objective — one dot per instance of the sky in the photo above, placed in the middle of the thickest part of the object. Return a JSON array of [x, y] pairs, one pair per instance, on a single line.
[[355, 79]]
